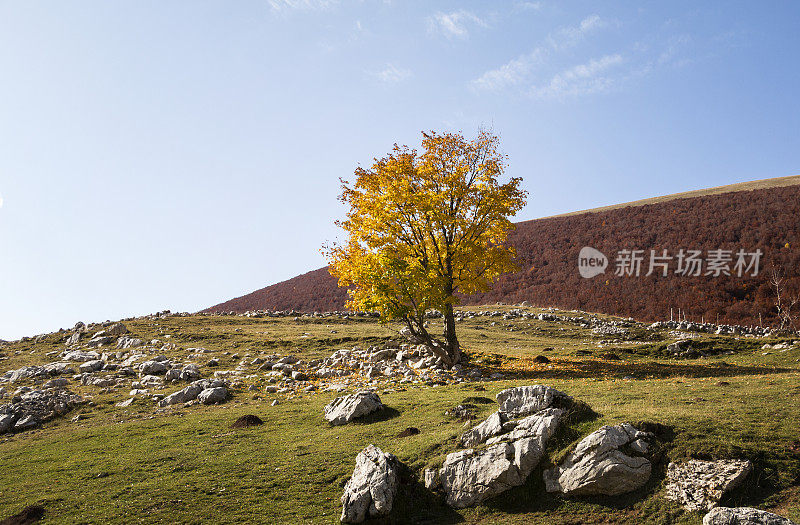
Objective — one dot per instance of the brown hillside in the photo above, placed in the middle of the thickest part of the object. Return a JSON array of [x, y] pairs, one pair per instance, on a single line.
[[547, 250]]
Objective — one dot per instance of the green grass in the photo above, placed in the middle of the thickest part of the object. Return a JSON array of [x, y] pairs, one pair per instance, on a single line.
[[139, 465]]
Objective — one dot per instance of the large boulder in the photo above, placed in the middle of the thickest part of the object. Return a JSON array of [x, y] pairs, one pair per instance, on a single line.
[[743, 516], [699, 485], [371, 490], [607, 462], [344, 409], [525, 400], [471, 476]]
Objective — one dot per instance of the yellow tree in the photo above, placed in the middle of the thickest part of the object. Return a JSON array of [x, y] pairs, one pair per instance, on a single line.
[[423, 227]]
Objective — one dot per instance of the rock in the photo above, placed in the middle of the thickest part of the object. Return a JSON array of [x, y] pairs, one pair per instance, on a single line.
[[699, 485], [126, 342], [100, 341], [189, 393], [492, 426], [153, 367], [743, 516], [56, 383], [91, 366], [125, 403], [471, 476], [599, 465], [371, 490], [211, 396], [26, 423], [116, 330], [79, 356], [73, 339], [344, 409], [6, 423], [190, 372], [299, 376], [525, 400], [173, 374], [26, 372], [432, 481]]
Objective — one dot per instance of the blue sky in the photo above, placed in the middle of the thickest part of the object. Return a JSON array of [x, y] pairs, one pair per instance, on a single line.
[[176, 154]]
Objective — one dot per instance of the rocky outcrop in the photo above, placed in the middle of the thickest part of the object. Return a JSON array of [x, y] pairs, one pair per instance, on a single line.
[[471, 476], [699, 485], [609, 461], [34, 407], [524, 400], [344, 409], [743, 516], [492, 426], [371, 490]]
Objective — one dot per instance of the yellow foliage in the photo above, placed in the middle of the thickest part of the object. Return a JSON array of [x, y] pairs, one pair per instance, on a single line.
[[424, 226]]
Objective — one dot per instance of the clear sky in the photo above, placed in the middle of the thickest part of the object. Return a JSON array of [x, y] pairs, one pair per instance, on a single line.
[[171, 155]]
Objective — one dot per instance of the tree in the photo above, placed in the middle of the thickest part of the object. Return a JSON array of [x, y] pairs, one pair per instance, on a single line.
[[783, 305], [424, 227]]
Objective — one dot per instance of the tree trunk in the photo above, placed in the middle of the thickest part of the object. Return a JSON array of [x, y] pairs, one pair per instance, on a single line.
[[450, 339]]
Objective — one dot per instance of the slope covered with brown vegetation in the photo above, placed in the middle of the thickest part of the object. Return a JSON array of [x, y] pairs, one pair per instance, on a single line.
[[766, 219]]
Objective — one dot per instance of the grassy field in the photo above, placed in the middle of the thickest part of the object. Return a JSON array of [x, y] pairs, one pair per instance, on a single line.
[[141, 464]]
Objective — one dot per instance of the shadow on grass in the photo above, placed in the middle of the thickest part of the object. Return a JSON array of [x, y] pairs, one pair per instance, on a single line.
[[575, 369], [416, 504], [384, 414]]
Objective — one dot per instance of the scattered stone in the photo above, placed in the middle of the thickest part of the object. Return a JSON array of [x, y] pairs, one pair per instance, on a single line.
[[344, 409], [154, 367], [600, 465], [116, 330], [211, 396], [91, 366], [190, 392], [125, 403], [699, 485], [31, 408], [80, 356], [125, 342], [541, 359], [371, 490], [743, 516]]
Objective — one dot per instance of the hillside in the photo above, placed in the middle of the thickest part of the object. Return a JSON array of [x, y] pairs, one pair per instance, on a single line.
[[765, 218]]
